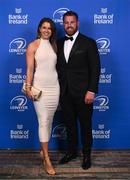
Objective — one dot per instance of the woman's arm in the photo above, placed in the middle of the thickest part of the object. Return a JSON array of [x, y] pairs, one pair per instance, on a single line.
[[30, 52]]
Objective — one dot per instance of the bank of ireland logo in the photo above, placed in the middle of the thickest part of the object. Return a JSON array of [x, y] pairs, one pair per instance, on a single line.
[[17, 17], [58, 15], [59, 131], [103, 45], [101, 132], [101, 103], [19, 126], [17, 46], [19, 132], [18, 103], [103, 18]]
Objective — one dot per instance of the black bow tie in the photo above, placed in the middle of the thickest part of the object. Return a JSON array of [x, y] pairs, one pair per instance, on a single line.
[[68, 38]]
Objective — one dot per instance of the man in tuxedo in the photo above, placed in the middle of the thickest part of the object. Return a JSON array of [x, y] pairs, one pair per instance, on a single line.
[[78, 68]]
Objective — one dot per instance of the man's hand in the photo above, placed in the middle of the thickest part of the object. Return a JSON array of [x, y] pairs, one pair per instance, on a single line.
[[89, 97]]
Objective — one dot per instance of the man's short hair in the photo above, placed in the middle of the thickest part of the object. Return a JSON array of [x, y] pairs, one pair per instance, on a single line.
[[71, 13]]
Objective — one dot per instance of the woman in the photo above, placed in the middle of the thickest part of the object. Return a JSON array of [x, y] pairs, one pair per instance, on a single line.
[[41, 73]]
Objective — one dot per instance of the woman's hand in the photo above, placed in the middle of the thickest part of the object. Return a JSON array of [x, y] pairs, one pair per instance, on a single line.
[[29, 93]]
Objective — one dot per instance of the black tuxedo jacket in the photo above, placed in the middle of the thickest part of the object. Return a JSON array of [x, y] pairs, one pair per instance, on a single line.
[[81, 73]]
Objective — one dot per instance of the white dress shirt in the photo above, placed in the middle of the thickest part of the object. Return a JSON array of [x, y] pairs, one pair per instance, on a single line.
[[68, 45]]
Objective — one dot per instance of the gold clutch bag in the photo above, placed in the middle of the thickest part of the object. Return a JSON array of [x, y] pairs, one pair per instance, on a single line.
[[35, 91]]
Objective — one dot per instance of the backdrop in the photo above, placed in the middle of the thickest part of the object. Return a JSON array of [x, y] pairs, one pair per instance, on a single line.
[[105, 21]]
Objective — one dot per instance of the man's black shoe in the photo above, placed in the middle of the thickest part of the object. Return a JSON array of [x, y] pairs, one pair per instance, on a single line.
[[86, 164], [68, 157]]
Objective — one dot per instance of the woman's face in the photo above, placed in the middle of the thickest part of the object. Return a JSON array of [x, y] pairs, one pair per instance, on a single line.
[[45, 30]]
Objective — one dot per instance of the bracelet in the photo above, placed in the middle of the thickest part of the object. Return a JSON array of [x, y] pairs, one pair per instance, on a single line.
[[28, 85], [28, 88]]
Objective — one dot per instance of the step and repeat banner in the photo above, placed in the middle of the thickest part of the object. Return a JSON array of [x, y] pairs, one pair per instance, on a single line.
[[105, 21]]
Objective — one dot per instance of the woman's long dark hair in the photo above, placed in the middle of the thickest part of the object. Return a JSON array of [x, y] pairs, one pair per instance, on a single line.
[[53, 30]]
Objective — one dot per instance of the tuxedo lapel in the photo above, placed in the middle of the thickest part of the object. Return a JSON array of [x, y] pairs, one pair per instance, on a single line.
[[75, 45], [62, 49]]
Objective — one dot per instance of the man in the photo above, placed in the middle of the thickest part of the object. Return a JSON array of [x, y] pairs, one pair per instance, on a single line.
[[79, 68]]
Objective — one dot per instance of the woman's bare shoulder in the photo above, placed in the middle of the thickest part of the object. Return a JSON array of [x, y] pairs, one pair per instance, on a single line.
[[34, 45]]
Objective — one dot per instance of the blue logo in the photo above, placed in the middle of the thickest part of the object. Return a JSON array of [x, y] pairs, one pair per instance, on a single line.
[[59, 131], [17, 46], [17, 43], [58, 15], [18, 103], [103, 45], [101, 103]]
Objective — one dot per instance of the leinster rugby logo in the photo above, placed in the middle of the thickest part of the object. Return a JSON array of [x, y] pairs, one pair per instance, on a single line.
[[17, 46], [101, 103], [59, 131], [58, 15], [18, 103], [103, 45]]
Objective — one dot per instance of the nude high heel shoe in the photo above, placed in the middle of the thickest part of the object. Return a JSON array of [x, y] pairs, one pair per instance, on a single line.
[[41, 153], [48, 166]]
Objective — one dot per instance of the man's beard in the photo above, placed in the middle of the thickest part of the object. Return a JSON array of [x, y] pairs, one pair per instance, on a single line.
[[70, 31]]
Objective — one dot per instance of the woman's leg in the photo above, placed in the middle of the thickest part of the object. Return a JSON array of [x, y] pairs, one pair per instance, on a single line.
[[47, 163]]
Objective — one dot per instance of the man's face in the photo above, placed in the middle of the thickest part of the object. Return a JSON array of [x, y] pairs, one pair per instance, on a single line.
[[70, 25]]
